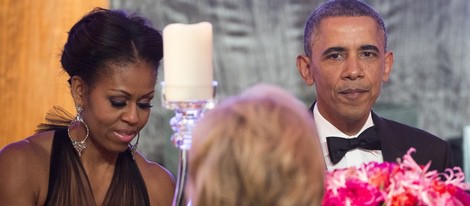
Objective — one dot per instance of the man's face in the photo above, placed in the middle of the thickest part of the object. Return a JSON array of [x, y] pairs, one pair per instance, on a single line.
[[347, 66]]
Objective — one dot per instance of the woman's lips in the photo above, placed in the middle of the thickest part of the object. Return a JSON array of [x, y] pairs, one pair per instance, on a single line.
[[125, 136]]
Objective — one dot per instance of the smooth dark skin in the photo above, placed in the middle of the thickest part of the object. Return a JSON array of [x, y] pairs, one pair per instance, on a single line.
[[117, 105], [347, 72]]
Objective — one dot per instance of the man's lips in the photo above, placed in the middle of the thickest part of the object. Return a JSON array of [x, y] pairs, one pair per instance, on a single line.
[[353, 93]]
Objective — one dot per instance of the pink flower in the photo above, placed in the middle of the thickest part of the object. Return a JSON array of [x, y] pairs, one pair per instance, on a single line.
[[402, 183], [404, 199], [461, 197], [355, 192]]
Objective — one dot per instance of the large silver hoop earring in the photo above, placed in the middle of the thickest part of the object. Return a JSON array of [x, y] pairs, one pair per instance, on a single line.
[[79, 146], [133, 147]]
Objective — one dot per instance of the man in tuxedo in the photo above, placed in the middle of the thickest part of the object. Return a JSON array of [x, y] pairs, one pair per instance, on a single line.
[[347, 60]]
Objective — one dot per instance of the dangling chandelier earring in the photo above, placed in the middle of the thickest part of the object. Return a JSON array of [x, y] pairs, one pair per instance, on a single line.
[[134, 147], [79, 145]]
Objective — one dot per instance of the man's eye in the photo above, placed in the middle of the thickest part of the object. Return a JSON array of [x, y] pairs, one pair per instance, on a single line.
[[369, 54], [118, 103], [334, 56], [144, 105]]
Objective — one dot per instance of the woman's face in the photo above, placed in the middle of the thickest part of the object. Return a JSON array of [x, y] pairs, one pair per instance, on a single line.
[[118, 105]]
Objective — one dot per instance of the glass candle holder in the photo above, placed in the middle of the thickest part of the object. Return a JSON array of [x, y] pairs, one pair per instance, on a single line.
[[187, 112]]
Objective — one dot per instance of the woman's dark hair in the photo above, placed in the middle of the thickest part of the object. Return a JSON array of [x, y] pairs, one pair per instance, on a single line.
[[104, 37]]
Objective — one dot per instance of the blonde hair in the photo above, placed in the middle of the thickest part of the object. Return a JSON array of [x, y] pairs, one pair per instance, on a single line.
[[259, 148]]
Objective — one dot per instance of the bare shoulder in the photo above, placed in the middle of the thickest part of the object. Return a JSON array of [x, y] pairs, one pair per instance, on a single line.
[[24, 169], [159, 181], [29, 152]]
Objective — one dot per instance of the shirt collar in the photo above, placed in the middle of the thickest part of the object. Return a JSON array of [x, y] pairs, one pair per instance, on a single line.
[[326, 129]]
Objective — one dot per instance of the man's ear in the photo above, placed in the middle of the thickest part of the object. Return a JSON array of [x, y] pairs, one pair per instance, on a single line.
[[303, 66], [388, 66], [77, 87]]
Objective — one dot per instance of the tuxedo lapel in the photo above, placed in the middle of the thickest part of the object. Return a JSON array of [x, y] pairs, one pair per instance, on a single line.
[[311, 107], [391, 144]]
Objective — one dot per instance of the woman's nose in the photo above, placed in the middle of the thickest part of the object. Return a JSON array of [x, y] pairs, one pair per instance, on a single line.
[[131, 116]]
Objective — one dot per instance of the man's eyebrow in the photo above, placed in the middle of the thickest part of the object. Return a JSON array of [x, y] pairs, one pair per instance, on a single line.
[[333, 49], [369, 47]]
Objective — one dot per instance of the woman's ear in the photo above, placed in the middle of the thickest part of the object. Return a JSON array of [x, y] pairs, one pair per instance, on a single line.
[[77, 87]]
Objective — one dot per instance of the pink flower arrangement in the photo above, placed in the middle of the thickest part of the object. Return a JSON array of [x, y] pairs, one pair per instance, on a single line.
[[396, 184]]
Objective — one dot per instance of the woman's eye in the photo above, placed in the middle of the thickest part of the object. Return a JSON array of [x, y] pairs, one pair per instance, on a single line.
[[118, 103], [144, 105]]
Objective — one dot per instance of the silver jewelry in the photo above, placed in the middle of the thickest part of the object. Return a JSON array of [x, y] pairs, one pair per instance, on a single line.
[[133, 147], [79, 146]]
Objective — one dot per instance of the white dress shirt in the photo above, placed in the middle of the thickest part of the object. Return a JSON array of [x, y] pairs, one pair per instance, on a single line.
[[354, 157]]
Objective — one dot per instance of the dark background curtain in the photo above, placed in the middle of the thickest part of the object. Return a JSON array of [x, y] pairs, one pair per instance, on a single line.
[[258, 41]]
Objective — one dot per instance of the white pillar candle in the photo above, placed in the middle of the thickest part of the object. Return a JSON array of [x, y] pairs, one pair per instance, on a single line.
[[187, 62]]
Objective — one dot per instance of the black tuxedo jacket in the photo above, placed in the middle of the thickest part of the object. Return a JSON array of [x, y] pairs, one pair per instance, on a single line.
[[397, 138]]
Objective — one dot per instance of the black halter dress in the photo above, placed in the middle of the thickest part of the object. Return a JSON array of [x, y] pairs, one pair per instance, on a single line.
[[69, 184]]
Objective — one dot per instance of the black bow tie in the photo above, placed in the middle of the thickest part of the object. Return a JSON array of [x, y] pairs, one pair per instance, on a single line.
[[338, 146]]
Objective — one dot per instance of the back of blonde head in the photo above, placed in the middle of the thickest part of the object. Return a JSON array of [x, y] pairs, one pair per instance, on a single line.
[[259, 148]]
